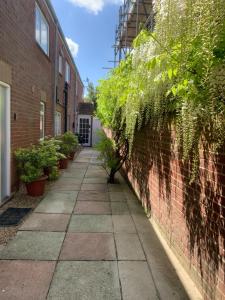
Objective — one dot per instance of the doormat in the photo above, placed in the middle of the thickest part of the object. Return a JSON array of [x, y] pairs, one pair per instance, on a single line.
[[13, 216]]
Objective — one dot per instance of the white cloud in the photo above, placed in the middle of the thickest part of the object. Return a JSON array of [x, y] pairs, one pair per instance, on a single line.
[[74, 47], [94, 6]]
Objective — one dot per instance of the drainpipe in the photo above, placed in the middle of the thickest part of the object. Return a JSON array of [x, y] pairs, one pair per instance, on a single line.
[[55, 77], [65, 105]]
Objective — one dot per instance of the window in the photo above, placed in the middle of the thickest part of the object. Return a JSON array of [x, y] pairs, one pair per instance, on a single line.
[[67, 75], [42, 120], [58, 122], [60, 63], [41, 30]]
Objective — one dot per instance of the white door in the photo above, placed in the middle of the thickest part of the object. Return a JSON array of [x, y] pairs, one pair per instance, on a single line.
[[5, 141], [85, 129]]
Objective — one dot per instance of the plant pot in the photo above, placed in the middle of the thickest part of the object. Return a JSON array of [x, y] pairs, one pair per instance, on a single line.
[[36, 188], [71, 155], [63, 163]]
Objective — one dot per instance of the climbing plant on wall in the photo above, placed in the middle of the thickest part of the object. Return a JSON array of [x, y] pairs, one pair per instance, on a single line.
[[178, 70]]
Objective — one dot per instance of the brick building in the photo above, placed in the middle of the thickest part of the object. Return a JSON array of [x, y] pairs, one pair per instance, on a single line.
[[40, 86]]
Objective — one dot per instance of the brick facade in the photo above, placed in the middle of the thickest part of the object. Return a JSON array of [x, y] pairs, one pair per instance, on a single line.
[[33, 72], [190, 216]]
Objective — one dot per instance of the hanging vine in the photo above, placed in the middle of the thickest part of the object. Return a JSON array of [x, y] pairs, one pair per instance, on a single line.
[[178, 70]]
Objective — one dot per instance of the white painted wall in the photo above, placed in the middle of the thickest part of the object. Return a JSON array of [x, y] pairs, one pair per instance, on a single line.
[[96, 125]]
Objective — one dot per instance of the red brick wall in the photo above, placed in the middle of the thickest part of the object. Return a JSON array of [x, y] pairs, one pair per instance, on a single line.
[[71, 87], [33, 72], [191, 216]]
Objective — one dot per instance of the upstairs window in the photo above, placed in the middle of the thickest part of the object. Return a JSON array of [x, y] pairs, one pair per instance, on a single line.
[[67, 75], [60, 63], [41, 30]]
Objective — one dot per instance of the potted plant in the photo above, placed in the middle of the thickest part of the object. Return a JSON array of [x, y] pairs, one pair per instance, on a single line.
[[71, 141], [30, 164], [50, 153]]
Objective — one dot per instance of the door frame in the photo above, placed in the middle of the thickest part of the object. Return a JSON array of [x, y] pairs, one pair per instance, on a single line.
[[90, 129], [8, 138]]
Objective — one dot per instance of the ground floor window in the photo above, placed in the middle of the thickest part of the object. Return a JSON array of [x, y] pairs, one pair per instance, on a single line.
[[58, 122], [42, 120]]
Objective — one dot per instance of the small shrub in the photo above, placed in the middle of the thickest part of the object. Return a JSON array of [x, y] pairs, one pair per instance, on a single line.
[[111, 154], [69, 142], [30, 163]]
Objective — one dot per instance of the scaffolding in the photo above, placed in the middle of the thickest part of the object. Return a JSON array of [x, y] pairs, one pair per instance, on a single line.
[[134, 15]]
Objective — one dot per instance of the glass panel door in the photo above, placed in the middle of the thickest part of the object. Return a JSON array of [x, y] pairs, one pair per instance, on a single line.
[[84, 130]]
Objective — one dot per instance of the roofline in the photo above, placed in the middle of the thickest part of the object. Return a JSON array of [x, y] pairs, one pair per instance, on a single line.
[[50, 7]]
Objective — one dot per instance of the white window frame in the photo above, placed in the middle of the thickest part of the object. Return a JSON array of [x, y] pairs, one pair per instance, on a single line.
[[67, 72], [8, 139], [60, 63], [58, 123], [42, 119], [41, 21]]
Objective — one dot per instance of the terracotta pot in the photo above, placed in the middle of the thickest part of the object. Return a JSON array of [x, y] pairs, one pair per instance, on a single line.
[[36, 188], [71, 155], [63, 163]]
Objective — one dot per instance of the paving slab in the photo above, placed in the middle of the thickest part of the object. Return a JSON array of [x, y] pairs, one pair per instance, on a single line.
[[58, 202], [164, 274], [123, 224], [34, 245], [94, 173], [136, 281], [117, 196], [95, 180], [85, 281], [136, 207], [119, 208], [142, 223], [46, 222], [71, 174], [68, 181], [94, 187], [129, 247], [115, 188], [65, 187], [88, 246], [25, 280], [92, 196], [90, 223], [92, 208], [78, 165]]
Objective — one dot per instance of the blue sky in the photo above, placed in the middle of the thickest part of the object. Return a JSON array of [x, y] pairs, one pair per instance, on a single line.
[[90, 24]]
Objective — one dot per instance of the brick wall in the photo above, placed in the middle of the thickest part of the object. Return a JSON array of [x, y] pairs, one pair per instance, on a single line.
[[191, 216], [32, 73]]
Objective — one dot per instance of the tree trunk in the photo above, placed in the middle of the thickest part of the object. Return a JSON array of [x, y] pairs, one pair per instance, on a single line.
[[112, 176]]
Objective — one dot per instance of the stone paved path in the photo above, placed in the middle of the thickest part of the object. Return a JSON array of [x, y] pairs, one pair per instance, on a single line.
[[87, 240]]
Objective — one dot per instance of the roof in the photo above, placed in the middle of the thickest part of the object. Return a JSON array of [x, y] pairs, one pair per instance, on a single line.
[[50, 7], [85, 108]]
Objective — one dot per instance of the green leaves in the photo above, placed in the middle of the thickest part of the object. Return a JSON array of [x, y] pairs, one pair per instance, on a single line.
[[177, 69]]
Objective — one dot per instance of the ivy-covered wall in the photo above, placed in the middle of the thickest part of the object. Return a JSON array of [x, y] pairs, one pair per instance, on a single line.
[[191, 216]]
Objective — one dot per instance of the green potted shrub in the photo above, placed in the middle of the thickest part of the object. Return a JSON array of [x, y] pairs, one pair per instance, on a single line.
[[71, 140], [50, 152], [30, 165]]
